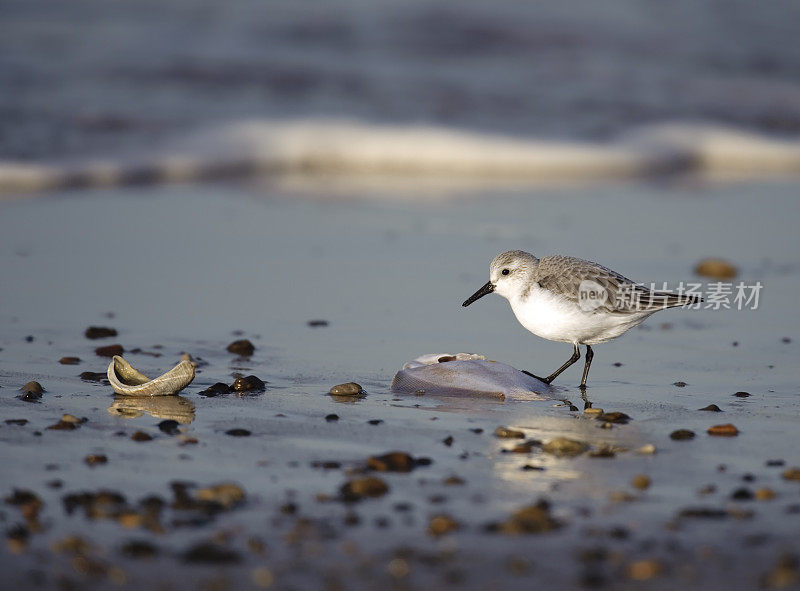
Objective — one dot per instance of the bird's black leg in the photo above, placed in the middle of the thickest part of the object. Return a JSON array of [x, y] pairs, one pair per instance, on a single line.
[[589, 356], [575, 356]]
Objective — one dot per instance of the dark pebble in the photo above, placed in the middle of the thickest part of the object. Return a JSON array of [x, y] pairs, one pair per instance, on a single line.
[[448, 441], [138, 549], [63, 426], [395, 461], [29, 338], [19, 422], [614, 417], [317, 323], [94, 376], [359, 488], [69, 360], [331, 418], [477, 431], [741, 394], [711, 408], [775, 463], [241, 347], [248, 384], [99, 332], [109, 350], [681, 434], [506, 433], [786, 340], [33, 388], [329, 465], [679, 384], [703, 513], [169, 427], [742, 494], [209, 553], [375, 421], [215, 390], [617, 364], [141, 436], [531, 468], [238, 432], [95, 459]]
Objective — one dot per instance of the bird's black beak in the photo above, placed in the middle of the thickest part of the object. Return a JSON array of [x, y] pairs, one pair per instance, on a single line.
[[488, 288]]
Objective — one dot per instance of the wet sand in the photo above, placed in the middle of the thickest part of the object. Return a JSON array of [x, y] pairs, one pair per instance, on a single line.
[[192, 268]]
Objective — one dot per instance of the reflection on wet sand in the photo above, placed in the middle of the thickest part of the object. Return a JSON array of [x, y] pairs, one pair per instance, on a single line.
[[176, 408]]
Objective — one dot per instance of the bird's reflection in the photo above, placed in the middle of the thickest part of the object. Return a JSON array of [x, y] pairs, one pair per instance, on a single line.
[[176, 408]]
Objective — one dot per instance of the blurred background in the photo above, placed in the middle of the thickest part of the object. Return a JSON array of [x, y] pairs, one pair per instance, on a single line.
[[93, 76]]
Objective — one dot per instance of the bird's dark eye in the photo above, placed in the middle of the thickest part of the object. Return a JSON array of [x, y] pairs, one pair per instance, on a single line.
[[505, 271]]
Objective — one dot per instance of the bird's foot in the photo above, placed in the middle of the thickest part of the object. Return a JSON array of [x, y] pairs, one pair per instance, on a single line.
[[545, 380]]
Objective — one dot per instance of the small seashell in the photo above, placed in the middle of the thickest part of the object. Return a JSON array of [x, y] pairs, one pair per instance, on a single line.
[[128, 381]]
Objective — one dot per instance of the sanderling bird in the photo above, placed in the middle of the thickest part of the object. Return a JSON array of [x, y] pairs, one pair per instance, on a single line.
[[570, 300]]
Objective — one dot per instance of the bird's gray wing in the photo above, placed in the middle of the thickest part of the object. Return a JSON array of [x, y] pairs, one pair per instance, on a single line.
[[595, 287]]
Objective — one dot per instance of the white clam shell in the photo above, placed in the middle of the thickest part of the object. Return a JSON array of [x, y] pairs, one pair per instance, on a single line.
[[468, 375], [130, 382]]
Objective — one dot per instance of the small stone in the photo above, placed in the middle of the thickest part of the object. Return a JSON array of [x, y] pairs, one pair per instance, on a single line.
[[248, 384], [169, 426], [562, 446], [375, 421], [726, 430], [792, 474], [99, 332], [643, 570], [69, 360], [614, 417], [764, 494], [507, 433], [63, 426], [593, 411], [526, 447], [453, 481], [238, 432], [448, 441], [711, 408], [242, 347], [34, 389], [227, 494], [702, 513], [215, 390], [68, 418], [331, 418], [775, 463], [641, 482], [681, 435], [95, 459], [317, 323], [109, 350], [741, 394], [679, 384], [359, 488], [715, 269], [395, 461], [348, 389], [742, 494], [442, 524], [141, 436], [533, 519], [19, 422], [604, 451]]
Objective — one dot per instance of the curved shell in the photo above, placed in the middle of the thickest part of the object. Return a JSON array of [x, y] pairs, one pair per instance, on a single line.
[[130, 382]]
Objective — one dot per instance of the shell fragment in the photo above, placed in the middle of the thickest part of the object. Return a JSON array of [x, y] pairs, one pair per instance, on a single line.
[[128, 381]]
